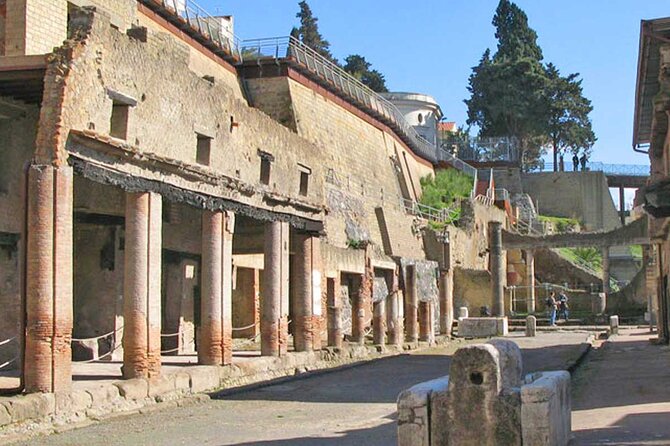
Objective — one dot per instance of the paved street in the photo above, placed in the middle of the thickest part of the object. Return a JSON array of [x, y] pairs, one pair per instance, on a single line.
[[355, 406], [622, 393]]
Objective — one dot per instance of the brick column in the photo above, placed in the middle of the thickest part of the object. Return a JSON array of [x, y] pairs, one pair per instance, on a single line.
[[530, 279], [446, 290], [411, 305], [274, 301], [358, 311], [379, 322], [426, 315], [393, 315], [142, 286], [49, 291], [497, 268], [334, 312], [318, 322], [303, 333], [215, 346]]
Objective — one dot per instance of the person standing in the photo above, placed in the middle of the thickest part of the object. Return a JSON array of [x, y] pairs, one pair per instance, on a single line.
[[575, 162], [582, 161], [563, 306], [561, 163], [551, 308]]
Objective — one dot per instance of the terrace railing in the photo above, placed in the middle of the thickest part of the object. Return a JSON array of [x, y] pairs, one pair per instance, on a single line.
[[629, 170], [481, 149], [189, 14], [429, 213], [306, 58]]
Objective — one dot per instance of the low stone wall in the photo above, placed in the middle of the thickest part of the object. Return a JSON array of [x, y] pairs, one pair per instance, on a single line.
[[482, 327], [42, 412]]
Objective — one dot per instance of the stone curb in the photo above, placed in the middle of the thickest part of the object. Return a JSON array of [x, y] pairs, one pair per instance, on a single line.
[[54, 412]]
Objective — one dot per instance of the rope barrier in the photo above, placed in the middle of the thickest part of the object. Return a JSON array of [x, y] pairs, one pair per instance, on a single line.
[[7, 341], [88, 361], [97, 337], [171, 350], [5, 364], [247, 327]]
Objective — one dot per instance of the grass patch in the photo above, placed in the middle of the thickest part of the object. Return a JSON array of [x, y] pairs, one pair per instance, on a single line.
[[636, 251], [443, 190], [561, 224]]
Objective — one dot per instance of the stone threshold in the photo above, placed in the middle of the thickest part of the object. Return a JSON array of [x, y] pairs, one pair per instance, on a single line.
[[43, 413]]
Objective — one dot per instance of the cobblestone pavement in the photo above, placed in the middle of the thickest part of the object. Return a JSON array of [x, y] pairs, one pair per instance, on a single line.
[[354, 406], [621, 394]]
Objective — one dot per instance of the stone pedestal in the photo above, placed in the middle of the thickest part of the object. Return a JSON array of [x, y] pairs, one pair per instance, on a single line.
[[462, 313], [614, 325], [482, 327], [531, 326]]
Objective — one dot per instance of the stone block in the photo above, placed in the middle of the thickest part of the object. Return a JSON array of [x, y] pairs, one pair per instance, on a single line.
[[5, 417], [546, 408], [531, 326], [161, 385], [133, 389], [482, 327], [413, 414], [31, 407], [182, 382], [462, 313], [103, 395], [614, 324], [204, 378], [511, 364], [70, 402]]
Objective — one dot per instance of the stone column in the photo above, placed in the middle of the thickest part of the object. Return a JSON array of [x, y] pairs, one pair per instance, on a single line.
[[334, 312], [379, 322], [318, 322], [394, 320], [606, 269], [622, 206], [358, 313], [49, 290], [215, 346], [303, 332], [274, 301], [142, 286], [411, 305], [426, 321], [446, 288], [497, 267], [530, 281]]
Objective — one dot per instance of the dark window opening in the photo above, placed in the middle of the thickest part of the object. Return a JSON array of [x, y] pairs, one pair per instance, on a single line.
[[203, 151], [265, 170], [119, 121], [304, 183]]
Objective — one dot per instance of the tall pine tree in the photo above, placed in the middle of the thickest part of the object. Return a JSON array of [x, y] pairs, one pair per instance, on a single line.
[[357, 66], [308, 32]]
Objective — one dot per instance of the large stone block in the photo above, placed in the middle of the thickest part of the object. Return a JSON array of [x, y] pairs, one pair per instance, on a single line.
[[413, 414], [103, 395], [31, 407], [545, 409], [204, 378], [482, 327], [133, 389], [69, 402]]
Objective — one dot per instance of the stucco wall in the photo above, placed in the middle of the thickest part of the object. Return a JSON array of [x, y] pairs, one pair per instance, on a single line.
[[581, 195]]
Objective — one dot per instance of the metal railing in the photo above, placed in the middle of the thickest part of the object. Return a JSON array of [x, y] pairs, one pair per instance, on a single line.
[[429, 213], [481, 149], [631, 170], [501, 194], [331, 74], [201, 21]]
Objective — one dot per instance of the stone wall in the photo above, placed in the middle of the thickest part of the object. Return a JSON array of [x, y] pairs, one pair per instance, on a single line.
[[581, 195]]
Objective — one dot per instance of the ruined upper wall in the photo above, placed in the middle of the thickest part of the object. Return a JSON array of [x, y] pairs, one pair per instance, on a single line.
[[170, 106]]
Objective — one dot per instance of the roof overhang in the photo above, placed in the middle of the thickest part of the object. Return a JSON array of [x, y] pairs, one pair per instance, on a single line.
[[653, 34]]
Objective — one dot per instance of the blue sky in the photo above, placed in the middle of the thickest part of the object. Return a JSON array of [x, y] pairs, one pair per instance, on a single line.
[[431, 46]]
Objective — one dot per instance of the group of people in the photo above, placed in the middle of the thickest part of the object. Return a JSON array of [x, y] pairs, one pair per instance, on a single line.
[[557, 307], [577, 161]]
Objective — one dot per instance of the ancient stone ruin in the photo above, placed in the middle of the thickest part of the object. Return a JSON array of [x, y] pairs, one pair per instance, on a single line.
[[485, 400]]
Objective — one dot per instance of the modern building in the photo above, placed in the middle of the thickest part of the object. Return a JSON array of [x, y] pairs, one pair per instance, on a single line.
[[420, 110]]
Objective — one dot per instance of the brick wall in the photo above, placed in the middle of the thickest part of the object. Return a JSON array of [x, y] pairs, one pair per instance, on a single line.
[[34, 26]]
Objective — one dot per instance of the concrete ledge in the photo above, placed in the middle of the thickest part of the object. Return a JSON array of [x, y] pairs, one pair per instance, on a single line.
[[482, 327], [41, 413], [546, 408]]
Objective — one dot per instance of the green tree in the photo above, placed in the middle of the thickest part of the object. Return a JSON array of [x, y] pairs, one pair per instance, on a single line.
[[357, 66], [308, 32], [569, 125]]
